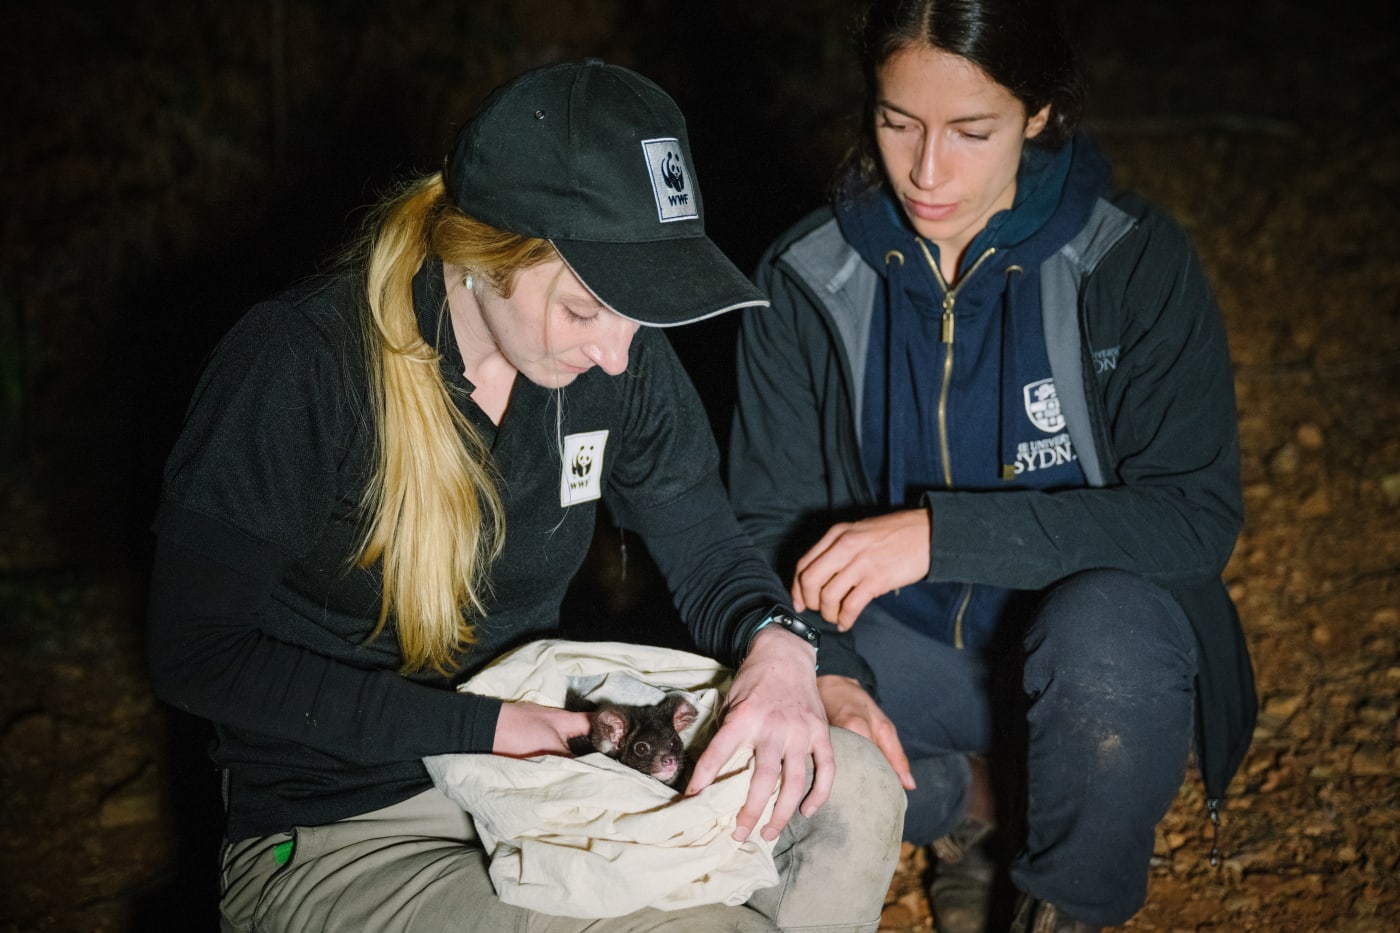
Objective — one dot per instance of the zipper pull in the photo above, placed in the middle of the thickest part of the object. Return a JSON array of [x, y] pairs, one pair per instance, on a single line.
[[947, 323]]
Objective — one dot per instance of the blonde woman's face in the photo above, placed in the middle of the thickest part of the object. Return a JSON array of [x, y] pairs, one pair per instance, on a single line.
[[552, 329], [950, 142]]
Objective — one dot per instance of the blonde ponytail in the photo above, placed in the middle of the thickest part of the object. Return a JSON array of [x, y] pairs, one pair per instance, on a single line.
[[433, 513]]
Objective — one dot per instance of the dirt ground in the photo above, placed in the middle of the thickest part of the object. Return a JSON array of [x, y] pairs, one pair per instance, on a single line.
[[164, 164]]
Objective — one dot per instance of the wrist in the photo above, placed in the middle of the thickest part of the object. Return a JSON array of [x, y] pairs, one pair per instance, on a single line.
[[783, 620], [926, 508]]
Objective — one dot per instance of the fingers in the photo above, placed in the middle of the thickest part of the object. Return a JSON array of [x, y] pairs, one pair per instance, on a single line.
[[857, 724], [886, 739], [839, 591], [721, 748], [848, 607], [823, 776], [806, 581], [795, 592], [783, 770], [768, 767], [836, 577], [855, 562], [823, 544], [766, 772], [524, 730], [849, 707], [791, 781], [775, 709]]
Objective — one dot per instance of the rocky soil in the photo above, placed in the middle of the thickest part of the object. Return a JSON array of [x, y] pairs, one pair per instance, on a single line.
[[165, 164]]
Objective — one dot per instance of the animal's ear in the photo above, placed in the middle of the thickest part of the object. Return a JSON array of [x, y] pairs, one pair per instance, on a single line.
[[683, 715], [614, 726]]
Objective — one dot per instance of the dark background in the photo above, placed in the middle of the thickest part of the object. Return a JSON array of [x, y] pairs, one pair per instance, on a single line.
[[166, 164], [163, 165]]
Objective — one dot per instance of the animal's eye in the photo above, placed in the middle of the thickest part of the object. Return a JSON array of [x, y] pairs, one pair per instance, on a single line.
[[641, 748]]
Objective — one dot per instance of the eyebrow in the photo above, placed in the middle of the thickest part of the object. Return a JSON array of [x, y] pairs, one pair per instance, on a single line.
[[585, 299], [970, 118]]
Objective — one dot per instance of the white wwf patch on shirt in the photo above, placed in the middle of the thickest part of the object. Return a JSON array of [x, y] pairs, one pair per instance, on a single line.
[[581, 469]]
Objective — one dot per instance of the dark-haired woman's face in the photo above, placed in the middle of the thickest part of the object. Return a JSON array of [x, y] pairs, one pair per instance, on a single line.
[[950, 141]]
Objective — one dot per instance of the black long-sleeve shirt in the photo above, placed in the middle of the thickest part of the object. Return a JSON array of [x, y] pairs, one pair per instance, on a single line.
[[259, 619]]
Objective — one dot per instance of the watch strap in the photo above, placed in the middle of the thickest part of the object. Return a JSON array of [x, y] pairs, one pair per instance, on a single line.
[[787, 619]]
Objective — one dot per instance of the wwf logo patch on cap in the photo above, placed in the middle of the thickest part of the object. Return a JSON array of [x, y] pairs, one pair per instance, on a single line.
[[670, 181]]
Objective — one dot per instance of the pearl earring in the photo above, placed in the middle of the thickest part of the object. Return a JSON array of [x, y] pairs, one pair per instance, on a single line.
[[468, 281]]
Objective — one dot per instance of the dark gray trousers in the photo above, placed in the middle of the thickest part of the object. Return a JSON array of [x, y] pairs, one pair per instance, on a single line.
[[1097, 706]]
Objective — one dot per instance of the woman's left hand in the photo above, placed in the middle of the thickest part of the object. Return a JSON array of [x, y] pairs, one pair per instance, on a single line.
[[773, 708]]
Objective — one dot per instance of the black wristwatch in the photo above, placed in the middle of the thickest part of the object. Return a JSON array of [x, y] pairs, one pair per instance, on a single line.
[[786, 619]]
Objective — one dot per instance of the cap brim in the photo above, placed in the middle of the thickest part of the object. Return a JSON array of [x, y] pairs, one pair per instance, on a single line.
[[661, 283]]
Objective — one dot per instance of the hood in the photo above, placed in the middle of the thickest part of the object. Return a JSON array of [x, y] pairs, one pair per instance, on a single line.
[[1055, 191]]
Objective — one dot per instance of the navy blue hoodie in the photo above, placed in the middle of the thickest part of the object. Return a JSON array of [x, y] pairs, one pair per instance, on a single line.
[[970, 354]]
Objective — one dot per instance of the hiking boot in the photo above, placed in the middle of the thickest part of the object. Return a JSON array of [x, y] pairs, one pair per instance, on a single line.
[[1036, 916], [960, 893]]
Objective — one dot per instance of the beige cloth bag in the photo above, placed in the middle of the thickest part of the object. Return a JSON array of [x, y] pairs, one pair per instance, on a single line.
[[589, 837]]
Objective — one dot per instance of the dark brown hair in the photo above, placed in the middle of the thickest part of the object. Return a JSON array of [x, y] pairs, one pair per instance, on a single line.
[[1019, 44]]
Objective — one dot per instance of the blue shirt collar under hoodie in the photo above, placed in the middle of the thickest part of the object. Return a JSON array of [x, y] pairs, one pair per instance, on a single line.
[[998, 334]]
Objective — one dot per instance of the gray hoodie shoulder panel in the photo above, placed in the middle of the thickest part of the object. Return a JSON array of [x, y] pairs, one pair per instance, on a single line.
[[1061, 278], [847, 294]]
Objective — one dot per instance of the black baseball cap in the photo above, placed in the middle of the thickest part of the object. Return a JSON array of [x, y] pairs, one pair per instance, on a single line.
[[594, 158]]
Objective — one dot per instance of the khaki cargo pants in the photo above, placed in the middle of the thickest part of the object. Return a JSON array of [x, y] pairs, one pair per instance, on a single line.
[[416, 867]]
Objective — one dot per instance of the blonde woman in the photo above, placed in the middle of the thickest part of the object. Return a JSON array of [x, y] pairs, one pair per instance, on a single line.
[[387, 479]]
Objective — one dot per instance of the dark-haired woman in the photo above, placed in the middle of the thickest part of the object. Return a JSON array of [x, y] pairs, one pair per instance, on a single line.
[[988, 428]]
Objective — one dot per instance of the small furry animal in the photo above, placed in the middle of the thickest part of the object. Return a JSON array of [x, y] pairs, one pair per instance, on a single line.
[[644, 738]]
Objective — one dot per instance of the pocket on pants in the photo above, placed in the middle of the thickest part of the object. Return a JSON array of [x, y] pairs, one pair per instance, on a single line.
[[247, 868], [292, 855]]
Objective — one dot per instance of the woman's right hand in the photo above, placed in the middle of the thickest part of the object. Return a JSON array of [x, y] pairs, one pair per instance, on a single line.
[[524, 730], [854, 562]]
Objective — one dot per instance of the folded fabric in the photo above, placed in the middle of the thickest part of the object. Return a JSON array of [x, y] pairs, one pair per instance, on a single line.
[[589, 837]]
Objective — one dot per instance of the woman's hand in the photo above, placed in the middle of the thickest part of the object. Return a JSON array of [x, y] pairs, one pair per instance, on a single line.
[[773, 708], [854, 562], [848, 706], [525, 730]]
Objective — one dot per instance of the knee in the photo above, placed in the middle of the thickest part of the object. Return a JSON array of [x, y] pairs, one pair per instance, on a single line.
[[1109, 624], [866, 796]]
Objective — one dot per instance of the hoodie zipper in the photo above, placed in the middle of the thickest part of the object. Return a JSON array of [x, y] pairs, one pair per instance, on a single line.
[[950, 297]]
